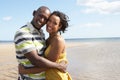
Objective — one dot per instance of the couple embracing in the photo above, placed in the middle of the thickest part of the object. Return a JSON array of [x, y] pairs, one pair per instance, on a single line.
[[41, 59]]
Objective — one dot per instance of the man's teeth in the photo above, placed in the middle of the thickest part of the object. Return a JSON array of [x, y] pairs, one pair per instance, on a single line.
[[49, 28]]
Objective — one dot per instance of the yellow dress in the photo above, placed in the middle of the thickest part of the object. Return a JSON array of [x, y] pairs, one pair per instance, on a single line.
[[55, 74]]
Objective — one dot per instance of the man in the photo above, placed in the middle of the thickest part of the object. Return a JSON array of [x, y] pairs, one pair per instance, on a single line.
[[30, 44]]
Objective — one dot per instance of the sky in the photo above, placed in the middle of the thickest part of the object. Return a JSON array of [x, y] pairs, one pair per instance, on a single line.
[[88, 18]]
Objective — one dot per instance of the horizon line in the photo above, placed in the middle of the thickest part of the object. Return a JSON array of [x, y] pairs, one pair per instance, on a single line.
[[74, 38]]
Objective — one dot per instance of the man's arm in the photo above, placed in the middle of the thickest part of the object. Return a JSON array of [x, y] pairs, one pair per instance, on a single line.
[[32, 70], [42, 62]]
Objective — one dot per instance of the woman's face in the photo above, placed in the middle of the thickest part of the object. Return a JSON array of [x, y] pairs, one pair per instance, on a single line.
[[53, 24]]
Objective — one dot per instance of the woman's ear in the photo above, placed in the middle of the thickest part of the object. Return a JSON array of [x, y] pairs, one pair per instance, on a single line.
[[60, 25]]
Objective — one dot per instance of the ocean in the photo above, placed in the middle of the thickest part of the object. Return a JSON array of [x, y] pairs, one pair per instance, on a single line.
[[106, 39], [113, 39]]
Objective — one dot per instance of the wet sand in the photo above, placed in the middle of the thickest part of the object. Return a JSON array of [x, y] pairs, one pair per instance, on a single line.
[[95, 61], [87, 61]]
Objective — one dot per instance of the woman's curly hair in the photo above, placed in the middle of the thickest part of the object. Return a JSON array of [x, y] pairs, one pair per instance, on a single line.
[[63, 20]]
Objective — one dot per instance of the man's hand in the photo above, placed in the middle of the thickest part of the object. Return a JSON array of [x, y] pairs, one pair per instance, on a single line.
[[63, 66]]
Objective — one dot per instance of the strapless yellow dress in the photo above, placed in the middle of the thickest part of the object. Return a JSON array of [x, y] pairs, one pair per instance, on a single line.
[[55, 74]]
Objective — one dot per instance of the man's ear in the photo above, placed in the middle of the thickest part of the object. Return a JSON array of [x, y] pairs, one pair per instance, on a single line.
[[34, 12]]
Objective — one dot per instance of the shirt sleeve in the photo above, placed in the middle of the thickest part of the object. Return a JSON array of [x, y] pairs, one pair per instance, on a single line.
[[24, 42]]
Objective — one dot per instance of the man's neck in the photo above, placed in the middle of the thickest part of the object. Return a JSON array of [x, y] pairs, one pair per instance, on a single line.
[[34, 25]]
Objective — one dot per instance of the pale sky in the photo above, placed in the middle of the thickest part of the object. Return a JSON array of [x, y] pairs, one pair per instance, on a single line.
[[88, 18]]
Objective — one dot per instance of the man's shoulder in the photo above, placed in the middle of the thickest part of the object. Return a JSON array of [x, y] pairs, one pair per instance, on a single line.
[[24, 26], [23, 29]]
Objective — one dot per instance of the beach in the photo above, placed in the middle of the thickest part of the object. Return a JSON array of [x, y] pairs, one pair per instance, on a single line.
[[8, 62], [87, 60]]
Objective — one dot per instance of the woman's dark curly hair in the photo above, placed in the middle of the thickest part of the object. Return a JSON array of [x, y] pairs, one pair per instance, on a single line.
[[63, 20]]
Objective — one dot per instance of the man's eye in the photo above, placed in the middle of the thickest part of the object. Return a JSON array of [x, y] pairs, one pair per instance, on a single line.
[[42, 17]]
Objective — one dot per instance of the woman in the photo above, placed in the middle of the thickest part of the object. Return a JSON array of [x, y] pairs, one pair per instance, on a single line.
[[55, 51]]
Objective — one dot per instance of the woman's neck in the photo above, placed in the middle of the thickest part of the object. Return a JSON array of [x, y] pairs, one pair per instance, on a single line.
[[52, 35]]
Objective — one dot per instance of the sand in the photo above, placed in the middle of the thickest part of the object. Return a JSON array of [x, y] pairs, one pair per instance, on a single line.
[[87, 61], [8, 62]]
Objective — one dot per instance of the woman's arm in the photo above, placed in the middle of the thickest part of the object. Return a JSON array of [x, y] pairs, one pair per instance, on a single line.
[[57, 48], [33, 70]]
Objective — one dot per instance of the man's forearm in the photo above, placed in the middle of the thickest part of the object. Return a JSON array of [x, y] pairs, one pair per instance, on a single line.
[[32, 70], [45, 63], [41, 61]]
